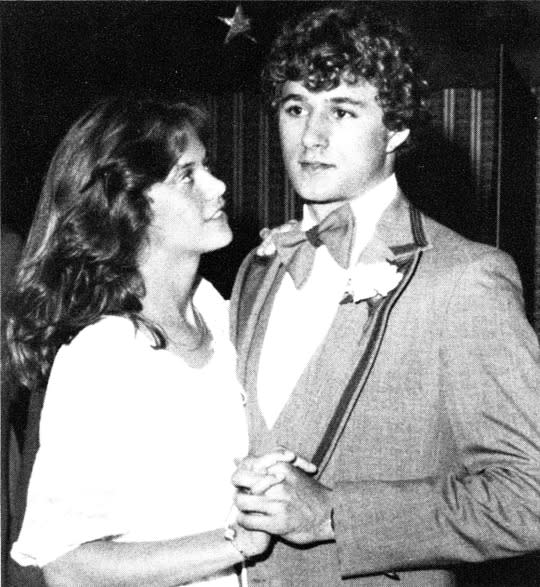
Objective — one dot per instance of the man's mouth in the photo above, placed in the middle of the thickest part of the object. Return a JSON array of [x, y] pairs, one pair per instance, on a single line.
[[315, 165]]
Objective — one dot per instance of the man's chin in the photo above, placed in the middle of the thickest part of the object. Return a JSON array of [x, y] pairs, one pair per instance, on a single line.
[[323, 199]]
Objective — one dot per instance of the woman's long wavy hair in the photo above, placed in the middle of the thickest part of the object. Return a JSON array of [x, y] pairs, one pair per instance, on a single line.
[[81, 258], [347, 43]]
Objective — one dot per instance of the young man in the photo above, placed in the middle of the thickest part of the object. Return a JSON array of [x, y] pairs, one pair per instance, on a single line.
[[378, 343]]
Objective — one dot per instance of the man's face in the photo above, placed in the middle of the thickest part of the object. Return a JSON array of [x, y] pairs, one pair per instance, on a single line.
[[335, 145]]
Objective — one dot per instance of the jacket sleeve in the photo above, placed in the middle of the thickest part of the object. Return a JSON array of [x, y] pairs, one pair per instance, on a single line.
[[488, 506]]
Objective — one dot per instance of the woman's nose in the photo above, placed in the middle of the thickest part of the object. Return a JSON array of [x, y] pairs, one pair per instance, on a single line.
[[214, 188]]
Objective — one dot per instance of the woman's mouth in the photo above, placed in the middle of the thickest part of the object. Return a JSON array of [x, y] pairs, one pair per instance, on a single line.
[[217, 215]]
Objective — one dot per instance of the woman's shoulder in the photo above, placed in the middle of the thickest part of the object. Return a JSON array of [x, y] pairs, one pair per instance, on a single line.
[[108, 333], [207, 293], [212, 305]]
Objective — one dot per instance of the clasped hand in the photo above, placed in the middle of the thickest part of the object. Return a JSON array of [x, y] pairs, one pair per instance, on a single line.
[[277, 494]]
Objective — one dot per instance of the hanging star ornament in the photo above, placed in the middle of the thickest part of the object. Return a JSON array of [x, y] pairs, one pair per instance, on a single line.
[[238, 25]]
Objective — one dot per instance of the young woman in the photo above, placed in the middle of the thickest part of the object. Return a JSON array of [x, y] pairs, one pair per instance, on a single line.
[[128, 352]]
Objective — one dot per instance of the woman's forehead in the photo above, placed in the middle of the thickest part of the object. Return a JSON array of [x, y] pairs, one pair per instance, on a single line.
[[192, 150]]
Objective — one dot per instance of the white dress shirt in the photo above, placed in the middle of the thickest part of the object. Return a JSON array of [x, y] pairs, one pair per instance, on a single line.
[[300, 318]]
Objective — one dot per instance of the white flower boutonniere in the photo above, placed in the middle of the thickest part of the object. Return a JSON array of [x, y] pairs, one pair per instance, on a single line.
[[372, 280]]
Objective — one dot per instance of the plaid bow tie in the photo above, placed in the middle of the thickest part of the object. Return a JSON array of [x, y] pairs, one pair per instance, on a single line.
[[297, 248]]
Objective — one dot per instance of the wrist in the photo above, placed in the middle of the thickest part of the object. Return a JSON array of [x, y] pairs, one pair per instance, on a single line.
[[327, 529], [231, 536]]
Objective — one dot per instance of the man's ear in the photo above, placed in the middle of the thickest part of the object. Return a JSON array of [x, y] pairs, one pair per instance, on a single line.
[[396, 138]]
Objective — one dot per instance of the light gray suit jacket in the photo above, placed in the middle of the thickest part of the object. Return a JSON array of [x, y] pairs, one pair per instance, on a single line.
[[439, 461]]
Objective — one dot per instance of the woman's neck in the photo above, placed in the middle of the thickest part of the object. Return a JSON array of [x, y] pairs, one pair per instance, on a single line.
[[168, 304], [169, 288]]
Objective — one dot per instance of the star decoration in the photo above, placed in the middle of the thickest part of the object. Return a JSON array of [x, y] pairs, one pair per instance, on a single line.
[[238, 25]]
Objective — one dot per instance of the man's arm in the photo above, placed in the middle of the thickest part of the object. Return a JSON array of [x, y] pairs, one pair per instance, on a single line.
[[489, 506]]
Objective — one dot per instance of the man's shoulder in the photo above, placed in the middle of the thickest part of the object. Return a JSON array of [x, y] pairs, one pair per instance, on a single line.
[[448, 246], [254, 267]]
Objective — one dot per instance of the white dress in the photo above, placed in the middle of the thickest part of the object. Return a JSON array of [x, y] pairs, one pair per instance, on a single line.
[[134, 443]]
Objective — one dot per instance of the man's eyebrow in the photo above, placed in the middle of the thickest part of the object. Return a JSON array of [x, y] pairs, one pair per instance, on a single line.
[[345, 100], [338, 100], [297, 97]]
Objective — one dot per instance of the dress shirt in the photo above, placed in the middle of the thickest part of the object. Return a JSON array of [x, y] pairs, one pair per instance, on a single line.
[[300, 318]]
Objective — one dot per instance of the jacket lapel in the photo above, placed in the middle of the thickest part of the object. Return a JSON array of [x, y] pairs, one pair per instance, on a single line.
[[257, 282], [401, 225]]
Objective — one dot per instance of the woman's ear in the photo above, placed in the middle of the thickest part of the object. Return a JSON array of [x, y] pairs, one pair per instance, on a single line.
[[396, 138]]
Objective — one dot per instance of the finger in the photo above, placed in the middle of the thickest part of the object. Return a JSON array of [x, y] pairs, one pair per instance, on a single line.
[[266, 483], [259, 504], [299, 462], [244, 461], [292, 475], [304, 465], [284, 469], [264, 232], [278, 455], [249, 463], [246, 479], [256, 522], [272, 524]]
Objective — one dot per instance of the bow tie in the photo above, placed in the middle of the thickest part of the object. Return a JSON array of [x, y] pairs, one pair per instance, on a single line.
[[296, 248]]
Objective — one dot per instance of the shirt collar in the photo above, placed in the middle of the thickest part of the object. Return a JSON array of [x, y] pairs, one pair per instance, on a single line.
[[367, 209]]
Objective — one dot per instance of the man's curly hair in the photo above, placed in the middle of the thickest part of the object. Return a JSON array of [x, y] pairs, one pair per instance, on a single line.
[[346, 43]]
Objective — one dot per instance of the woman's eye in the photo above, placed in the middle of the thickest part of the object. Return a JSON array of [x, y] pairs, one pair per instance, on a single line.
[[186, 177]]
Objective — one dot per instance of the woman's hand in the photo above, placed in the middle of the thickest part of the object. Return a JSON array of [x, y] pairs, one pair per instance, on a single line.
[[250, 543]]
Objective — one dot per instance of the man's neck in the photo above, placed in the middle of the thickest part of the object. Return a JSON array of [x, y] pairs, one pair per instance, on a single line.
[[368, 198]]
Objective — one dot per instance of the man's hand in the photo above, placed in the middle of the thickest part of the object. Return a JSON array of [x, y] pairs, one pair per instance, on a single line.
[[256, 470], [297, 508]]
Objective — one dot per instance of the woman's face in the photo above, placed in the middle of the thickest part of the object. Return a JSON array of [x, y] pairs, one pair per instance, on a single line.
[[187, 206]]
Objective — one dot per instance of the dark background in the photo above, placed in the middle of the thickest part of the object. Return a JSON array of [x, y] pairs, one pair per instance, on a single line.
[[56, 58], [59, 57]]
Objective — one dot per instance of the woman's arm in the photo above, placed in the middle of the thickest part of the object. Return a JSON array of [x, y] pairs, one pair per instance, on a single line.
[[163, 563], [170, 562]]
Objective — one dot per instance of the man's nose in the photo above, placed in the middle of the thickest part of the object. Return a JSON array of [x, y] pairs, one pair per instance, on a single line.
[[315, 132]]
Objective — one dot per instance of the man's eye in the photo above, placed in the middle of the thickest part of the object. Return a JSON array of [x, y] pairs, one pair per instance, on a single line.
[[294, 110], [340, 113]]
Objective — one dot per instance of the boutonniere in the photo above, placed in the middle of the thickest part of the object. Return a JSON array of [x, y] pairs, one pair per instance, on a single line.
[[267, 248], [369, 281]]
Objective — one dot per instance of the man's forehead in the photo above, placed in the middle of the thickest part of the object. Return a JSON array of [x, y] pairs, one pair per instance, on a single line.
[[360, 90]]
